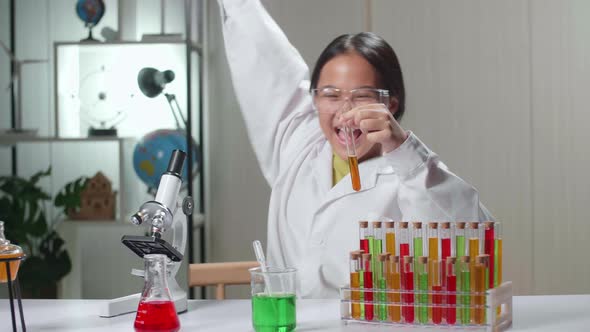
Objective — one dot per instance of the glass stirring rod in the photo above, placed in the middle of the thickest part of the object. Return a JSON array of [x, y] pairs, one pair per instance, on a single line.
[[353, 164], [259, 253]]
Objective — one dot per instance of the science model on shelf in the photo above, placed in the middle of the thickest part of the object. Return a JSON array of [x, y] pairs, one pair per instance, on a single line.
[[398, 277]]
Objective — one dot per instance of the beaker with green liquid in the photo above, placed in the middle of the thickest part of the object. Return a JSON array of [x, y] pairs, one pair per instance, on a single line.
[[273, 299]]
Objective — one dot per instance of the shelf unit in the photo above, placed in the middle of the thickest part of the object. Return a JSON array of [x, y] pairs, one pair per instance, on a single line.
[[192, 56]]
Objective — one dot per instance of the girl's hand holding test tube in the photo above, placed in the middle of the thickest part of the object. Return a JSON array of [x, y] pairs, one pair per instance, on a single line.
[[377, 122]]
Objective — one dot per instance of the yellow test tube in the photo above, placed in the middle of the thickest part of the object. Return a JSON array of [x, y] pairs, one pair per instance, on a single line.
[[393, 284], [479, 271], [389, 237], [355, 282]]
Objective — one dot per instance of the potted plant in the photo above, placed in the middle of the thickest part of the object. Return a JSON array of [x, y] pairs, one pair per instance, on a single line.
[[23, 208]]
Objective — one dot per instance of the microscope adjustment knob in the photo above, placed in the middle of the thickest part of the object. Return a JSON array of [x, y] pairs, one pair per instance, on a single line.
[[136, 219], [188, 205], [158, 221]]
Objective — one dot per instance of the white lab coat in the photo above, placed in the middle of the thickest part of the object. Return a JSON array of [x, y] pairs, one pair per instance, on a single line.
[[311, 225]]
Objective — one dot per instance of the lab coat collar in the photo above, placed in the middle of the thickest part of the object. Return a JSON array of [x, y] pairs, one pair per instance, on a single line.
[[369, 170]]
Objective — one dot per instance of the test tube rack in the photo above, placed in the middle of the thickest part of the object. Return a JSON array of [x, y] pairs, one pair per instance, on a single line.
[[500, 296]]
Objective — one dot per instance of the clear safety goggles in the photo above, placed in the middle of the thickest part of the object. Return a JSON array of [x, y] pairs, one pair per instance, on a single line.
[[331, 100]]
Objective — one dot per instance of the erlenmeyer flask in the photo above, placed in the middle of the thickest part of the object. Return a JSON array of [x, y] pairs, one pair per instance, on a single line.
[[156, 310]]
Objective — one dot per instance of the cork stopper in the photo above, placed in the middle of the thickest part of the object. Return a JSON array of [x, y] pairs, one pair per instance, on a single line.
[[362, 251], [433, 225], [445, 225], [460, 224], [376, 224], [363, 224], [465, 259], [488, 224], [394, 259], [354, 255], [474, 225], [366, 257], [417, 225], [408, 259], [388, 224], [383, 257], [452, 260], [403, 224], [423, 260], [483, 259]]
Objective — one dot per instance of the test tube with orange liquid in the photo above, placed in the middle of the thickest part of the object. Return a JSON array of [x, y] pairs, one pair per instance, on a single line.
[[389, 237], [353, 163], [394, 284], [433, 256], [479, 270], [355, 282]]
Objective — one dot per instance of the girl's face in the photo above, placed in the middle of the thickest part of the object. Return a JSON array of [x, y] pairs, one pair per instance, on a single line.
[[347, 72]]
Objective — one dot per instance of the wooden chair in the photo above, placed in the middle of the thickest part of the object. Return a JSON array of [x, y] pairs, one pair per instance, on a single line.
[[220, 274]]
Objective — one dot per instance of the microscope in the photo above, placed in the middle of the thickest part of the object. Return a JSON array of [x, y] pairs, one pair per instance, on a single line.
[[158, 215]]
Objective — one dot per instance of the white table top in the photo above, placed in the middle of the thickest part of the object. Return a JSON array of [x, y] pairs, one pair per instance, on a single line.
[[531, 313]]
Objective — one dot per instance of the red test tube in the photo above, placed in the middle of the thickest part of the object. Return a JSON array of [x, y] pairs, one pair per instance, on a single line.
[[368, 284], [408, 286], [489, 249]]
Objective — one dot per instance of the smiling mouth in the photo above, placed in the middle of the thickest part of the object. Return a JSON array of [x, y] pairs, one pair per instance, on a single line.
[[341, 134]]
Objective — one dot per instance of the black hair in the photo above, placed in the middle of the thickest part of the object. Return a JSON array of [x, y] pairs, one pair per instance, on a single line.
[[378, 53]]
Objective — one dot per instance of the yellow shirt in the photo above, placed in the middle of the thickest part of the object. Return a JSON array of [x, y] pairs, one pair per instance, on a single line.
[[339, 169]]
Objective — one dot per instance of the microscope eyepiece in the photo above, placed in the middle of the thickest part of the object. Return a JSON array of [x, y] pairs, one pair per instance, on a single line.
[[176, 162]]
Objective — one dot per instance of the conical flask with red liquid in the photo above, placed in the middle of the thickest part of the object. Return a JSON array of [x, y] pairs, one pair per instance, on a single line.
[[156, 311]]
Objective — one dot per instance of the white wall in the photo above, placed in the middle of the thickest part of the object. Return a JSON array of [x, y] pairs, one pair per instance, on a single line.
[[496, 88], [467, 80], [560, 62]]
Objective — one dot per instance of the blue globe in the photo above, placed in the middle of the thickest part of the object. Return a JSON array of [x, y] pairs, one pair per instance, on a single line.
[[90, 11], [152, 154]]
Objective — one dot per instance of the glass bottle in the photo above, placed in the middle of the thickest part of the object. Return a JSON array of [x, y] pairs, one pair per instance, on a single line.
[[8, 250], [156, 311]]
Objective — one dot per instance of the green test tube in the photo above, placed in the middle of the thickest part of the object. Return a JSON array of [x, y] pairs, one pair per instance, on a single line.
[[418, 248], [460, 239], [421, 271], [376, 249], [465, 289], [382, 284], [362, 294]]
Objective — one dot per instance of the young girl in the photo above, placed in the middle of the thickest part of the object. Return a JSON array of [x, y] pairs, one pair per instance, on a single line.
[[297, 130]]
